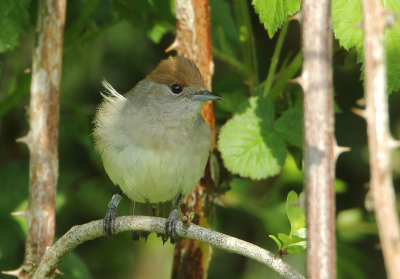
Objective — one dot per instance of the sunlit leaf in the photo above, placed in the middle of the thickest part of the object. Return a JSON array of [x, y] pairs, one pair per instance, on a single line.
[[248, 144], [276, 241], [295, 212], [273, 13]]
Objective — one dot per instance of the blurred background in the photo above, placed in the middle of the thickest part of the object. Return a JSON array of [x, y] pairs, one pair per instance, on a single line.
[[122, 41]]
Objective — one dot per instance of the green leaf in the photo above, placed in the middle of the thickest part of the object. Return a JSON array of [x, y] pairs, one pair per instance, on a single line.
[[248, 144], [346, 22], [290, 126], [276, 241], [157, 32], [295, 212], [286, 240], [231, 88], [296, 247], [14, 19], [273, 13], [292, 244]]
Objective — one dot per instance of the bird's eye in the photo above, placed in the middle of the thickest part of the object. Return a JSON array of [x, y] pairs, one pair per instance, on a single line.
[[176, 88]]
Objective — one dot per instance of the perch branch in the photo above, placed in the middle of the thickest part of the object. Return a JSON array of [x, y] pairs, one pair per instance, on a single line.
[[380, 143], [82, 233], [319, 141]]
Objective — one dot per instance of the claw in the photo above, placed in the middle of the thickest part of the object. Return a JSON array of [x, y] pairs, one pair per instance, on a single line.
[[109, 222], [170, 227], [109, 219]]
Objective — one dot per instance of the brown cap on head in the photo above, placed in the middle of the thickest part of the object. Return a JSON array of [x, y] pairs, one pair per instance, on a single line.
[[177, 69]]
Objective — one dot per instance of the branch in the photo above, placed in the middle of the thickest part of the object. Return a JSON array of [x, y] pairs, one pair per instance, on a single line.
[[82, 233], [42, 138], [193, 40], [380, 143], [319, 141]]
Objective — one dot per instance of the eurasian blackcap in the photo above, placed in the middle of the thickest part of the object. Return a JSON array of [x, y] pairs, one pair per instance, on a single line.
[[153, 140]]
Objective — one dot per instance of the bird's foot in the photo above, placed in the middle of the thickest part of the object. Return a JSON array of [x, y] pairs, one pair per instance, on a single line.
[[109, 219], [170, 224], [170, 227]]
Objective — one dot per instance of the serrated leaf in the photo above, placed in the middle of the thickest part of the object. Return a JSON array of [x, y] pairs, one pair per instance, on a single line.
[[14, 19], [346, 22], [276, 241], [248, 145], [273, 13], [295, 212], [290, 126]]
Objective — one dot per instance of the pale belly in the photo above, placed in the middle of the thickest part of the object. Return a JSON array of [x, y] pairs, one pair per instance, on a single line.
[[155, 175]]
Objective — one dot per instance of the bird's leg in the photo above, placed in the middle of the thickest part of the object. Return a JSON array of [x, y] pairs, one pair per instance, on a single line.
[[109, 219], [143, 209], [170, 224]]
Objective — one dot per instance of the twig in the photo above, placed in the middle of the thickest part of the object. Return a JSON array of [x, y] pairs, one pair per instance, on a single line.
[[319, 142], [82, 233], [380, 143]]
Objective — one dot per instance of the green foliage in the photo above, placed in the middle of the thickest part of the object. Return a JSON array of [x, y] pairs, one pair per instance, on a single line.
[[156, 16], [274, 12], [13, 191], [296, 241], [252, 142], [347, 20], [14, 19], [290, 126], [225, 35]]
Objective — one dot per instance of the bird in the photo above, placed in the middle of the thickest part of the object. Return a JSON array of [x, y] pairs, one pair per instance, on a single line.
[[153, 141]]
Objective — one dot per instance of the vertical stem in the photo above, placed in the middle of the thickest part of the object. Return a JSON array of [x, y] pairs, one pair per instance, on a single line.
[[316, 80], [380, 142], [275, 59], [42, 138], [246, 38], [193, 40]]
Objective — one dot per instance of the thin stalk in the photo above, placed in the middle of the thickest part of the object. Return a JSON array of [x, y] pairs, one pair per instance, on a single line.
[[275, 59], [247, 41], [283, 77]]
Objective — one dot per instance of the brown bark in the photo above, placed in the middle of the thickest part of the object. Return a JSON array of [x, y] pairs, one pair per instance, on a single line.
[[193, 40], [319, 142], [42, 138], [380, 142]]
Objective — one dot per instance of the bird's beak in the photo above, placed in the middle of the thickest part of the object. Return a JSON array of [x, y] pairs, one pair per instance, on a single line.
[[206, 95]]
